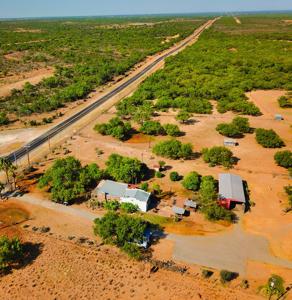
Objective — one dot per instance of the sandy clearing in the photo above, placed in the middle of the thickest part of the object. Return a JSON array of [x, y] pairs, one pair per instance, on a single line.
[[19, 30], [237, 20], [63, 269], [16, 56], [12, 139], [230, 251], [18, 81]]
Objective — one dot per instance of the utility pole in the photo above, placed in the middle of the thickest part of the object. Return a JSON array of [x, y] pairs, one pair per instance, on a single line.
[[49, 142], [27, 153]]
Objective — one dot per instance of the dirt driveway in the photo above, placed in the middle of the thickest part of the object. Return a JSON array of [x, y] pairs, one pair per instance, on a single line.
[[230, 250]]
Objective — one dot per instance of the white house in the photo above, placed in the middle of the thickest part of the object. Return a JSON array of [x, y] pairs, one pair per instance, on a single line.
[[109, 189]]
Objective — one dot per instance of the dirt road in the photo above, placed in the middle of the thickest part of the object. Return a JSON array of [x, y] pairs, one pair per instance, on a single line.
[[229, 250], [58, 207]]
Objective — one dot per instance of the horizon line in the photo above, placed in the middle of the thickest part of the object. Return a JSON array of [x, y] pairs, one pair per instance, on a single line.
[[147, 14]]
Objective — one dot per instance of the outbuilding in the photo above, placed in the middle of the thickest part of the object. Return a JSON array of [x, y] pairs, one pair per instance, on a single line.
[[178, 210], [191, 204], [108, 189], [231, 190], [230, 143], [278, 117]]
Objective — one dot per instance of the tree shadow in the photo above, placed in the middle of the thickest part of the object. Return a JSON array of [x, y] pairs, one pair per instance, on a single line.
[[30, 252], [167, 168], [34, 176], [235, 160], [191, 122], [150, 173], [246, 194], [195, 155]]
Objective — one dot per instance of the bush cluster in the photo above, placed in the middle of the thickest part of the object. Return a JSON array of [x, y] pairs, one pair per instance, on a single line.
[[78, 70], [285, 102], [227, 276], [174, 176], [236, 128], [284, 158], [67, 179], [4, 120], [123, 231], [125, 169], [11, 252], [173, 149], [268, 138], [218, 155], [116, 128], [192, 181]]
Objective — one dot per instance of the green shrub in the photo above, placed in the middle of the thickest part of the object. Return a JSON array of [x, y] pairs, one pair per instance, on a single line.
[[144, 186], [129, 208], [268, 138], [183, 116], [68, 180], [116, 128], [172, 130], [285, 102], [173, 149], [174, 176], [159, 174], [229, 130], [218, 155], [11, 251], [192, 181], [242, 124], [152, 128], [207, 273], [227, 276], [156, 189], [112, 205], [125, 169], [288, 190], [236, 128], [132, 250], [214, 212], [208, 189], [284, 158], [122, 230], [4, 120], [274, 286]]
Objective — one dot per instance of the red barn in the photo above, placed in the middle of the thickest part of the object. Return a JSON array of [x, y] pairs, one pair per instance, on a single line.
[[231, 190]]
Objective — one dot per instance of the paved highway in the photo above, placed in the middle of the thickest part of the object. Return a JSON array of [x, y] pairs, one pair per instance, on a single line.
[[21, 152]]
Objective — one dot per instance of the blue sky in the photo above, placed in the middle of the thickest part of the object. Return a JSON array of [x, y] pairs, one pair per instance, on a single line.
[[43, 8]]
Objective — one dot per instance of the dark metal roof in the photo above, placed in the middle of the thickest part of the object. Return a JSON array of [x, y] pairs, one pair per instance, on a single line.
[[231, 187]]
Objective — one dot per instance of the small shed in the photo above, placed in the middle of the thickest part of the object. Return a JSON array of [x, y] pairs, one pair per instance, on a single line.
[[230, 143], [231, 190], [178, 210], [278, 117], [191, 204]]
